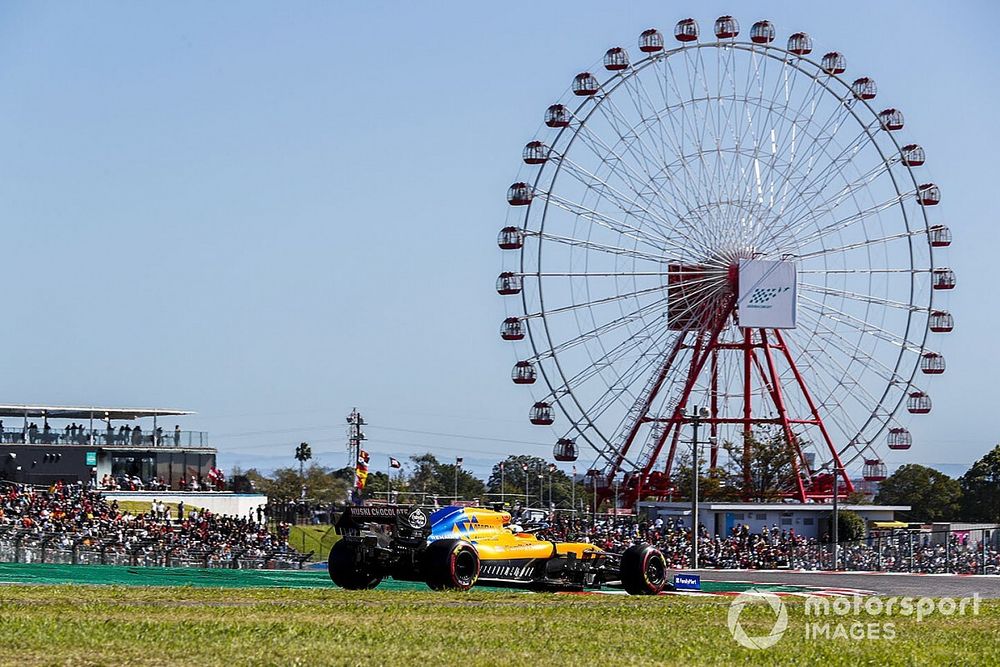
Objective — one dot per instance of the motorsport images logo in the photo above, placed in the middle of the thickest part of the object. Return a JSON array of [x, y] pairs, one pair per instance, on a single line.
[[755, 596], [761, 297], [841, 617]]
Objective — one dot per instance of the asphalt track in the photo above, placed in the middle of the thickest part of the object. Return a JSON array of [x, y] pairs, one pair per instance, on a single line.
[[879, 583], [718, 582]]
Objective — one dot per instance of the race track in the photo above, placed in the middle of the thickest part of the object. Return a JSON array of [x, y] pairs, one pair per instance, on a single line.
[[915, 585]]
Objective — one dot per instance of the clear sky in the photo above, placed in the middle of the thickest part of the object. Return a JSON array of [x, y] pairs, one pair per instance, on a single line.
[[270, 213]]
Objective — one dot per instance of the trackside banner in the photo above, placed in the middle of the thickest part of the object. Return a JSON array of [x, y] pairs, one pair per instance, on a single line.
[[767, 298]]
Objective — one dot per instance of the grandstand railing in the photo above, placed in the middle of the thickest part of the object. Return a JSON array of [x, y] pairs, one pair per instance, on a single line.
[[190, 439], [53, 548]]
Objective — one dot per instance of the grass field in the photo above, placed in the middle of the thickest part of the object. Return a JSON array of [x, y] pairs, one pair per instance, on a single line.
[[43, 625], [317, 539]]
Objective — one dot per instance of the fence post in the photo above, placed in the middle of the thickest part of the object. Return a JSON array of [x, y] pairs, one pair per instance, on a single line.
[[878, 558], [909, 540], [947, 550], [983, 537]]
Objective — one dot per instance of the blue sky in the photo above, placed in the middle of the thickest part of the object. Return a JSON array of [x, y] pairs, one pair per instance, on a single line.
[[271, 213]]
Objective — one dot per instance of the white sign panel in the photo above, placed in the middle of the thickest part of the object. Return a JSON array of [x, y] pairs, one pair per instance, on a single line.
[[767, 298]]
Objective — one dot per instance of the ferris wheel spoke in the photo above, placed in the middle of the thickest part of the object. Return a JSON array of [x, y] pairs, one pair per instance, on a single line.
[[598, 331], [606, 361], [646, 186], [841, 224], [608, 222], [861, 270], [669, 142], [826, 310], [629, 207], [593, 302], [869, 363], [833, 374], [694, 187], [821, 141], [784, 85], [600, 247], [864, 298], [861, 244], [786, 140], [812, 210], [823, 376]]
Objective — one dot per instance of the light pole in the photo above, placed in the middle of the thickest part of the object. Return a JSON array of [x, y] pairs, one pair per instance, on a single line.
[[541, 489], [572, 491], [552, 469], [616, 502], [524, 468], [836, 520], [695, 416], [458, 465], [503, 499], [836, 523]]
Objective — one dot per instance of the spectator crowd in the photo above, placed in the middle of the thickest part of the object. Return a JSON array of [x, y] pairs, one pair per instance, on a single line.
[[73, 519]]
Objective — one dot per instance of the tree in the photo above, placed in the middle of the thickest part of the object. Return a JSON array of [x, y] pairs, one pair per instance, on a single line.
[[769, 460], [932, 495], [981, 488], [850, 526], [322, 484]]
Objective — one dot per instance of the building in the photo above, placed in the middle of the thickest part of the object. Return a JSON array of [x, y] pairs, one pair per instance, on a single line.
[[807, 519], [44, 444]]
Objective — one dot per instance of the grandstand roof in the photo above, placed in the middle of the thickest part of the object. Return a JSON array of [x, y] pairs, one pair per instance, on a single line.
[[86, 412]]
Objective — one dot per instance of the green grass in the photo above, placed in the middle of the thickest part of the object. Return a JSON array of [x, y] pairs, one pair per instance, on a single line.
[[43, 625], [142, 507], [317, 539]]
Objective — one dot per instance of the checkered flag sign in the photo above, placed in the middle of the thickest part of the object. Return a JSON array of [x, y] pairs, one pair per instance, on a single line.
[[767, 294]]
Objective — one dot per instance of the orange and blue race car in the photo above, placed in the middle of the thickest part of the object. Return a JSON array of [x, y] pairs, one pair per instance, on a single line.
[[457, 547]]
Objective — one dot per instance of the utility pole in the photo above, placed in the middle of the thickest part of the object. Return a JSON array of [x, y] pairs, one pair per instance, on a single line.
[[354, 436]]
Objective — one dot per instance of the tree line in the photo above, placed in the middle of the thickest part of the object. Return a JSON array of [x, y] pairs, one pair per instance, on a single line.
[[933, 496]]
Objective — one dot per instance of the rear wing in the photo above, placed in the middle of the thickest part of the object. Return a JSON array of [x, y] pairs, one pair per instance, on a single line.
[[410, 521]]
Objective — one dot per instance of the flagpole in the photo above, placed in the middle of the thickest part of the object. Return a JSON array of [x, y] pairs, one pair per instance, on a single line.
[[502, 499], [388, 476]]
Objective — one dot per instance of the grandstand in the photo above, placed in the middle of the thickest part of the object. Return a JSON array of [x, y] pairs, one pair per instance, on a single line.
[[70, 524], [128, 446]]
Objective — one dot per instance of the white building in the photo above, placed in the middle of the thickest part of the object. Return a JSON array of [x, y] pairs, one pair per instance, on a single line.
[[807, 519]]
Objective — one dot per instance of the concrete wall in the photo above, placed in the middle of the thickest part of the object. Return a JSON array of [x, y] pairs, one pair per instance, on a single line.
[[218, 502]]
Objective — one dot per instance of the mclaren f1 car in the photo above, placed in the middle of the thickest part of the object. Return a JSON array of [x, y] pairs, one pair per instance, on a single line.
[[457, 547]]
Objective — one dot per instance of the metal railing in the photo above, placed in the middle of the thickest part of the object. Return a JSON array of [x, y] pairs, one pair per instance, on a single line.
[[114, 438], [23, 547]]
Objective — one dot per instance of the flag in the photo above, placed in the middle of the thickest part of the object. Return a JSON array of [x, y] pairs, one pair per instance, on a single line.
[[361, 471], [501, 466], [458, 461], [394, 463]]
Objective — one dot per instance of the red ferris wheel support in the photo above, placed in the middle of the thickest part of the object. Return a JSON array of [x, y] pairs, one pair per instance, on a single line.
[[766, 358]]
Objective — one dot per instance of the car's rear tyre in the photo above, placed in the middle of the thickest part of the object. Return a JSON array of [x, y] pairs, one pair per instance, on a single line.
[[643, 570], [451, 565], [346, 571]]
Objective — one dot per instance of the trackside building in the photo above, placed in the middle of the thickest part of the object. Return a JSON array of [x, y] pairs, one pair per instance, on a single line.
[[45, 444]]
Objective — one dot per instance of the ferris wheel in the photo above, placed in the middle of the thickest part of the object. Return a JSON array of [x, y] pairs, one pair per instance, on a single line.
[[726, 224]]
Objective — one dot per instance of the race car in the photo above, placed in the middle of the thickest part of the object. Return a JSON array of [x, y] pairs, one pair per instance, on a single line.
[[453, 548]]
